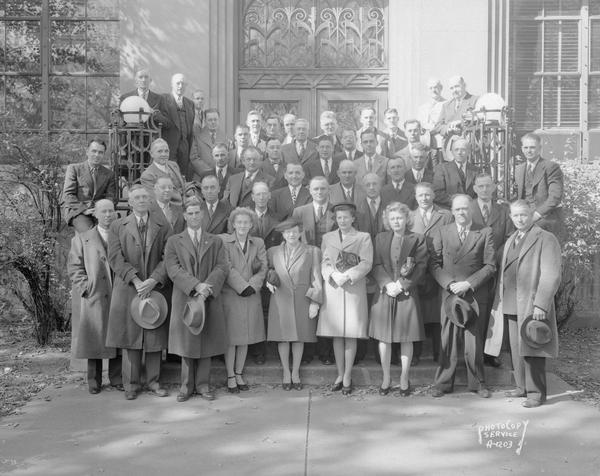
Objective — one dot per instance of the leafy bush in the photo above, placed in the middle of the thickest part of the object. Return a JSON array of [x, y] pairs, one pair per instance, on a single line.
[[581, 244]]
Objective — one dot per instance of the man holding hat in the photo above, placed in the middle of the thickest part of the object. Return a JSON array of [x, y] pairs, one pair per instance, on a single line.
[[462, 261], [528, 280], [137, 319], [197, 263]]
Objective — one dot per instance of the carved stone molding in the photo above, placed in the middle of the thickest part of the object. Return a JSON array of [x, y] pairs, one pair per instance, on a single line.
[[257, 79]]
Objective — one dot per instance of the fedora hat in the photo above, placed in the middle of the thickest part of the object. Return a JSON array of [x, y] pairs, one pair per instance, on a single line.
[[461, 310], [150, 312], [534, 333], [194, 315]]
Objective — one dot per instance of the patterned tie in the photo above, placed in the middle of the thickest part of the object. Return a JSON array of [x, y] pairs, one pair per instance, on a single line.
[[373, 207], [425, 219], [461, 172], [321, 211], [94, 174], [180, 102], [518, 238], [213, 137], [462, 235], [529, 176], [294, 195], [220, 174], [485, 211], [419, 176], [142, 230], [196, 240], [326, 168], [211, 209], [348, 195], [300, 148]]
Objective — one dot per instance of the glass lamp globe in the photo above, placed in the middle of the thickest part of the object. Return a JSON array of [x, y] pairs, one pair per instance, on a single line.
[[135, 110]]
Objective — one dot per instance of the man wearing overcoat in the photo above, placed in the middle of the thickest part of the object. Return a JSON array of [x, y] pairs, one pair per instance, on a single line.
[[136, 245]]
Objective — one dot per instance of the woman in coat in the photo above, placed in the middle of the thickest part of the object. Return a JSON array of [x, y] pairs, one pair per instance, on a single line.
[[294, 279], [399, 264], [347, 259], [241, 294]]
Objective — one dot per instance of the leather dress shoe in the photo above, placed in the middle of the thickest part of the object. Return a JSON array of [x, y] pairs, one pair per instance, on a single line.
[[208, 395], [515, 393], [384, 391], [94, 390], [437, 392], [336, 387], [483, 392], [118, 386], [242, 386], [183, 397], [492, 361], [130, 395], [531, 403], [159, 392], [297, 385], [406, 391], [233, 389], [287, 386]]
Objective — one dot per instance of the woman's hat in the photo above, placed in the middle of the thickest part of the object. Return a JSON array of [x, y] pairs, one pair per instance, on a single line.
[[194, 314], [343, 206], [150, 312], [288, 224], [536, 333], [461, 310]]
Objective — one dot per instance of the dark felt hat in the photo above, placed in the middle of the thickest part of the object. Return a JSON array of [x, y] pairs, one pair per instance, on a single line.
[[461, 310], [534, 333], [343, 206], [287, 224]]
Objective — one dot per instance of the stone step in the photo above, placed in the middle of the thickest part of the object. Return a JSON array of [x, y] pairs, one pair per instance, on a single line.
[[367, 372]]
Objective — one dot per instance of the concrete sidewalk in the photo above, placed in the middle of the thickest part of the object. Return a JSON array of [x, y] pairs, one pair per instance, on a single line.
[[266, 431]]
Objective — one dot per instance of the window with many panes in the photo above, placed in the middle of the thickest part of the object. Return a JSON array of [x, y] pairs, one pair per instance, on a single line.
[[555, 72], [59, 64]]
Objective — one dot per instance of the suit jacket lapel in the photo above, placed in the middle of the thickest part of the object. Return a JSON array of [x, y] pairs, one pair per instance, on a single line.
[[132, 229], [509, 243], [469, 243], [494, 214], [530, 239], [538, 172]]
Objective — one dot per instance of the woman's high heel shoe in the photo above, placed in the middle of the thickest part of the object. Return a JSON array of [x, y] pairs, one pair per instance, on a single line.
[[242, 386], [232, 389], [337, 386], [347, 390]]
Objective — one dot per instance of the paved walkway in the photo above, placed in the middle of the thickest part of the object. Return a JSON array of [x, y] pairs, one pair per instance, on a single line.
[[266, 431]]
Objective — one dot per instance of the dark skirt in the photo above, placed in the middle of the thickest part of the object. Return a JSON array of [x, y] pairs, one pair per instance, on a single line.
[[396, 319]]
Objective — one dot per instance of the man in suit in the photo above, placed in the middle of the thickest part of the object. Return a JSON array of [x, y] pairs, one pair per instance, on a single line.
[[178, 129], [239, 187], [348, 188], [528, 281], [420, 163], [289, 128], [215, 210], [199, 117], [293, 195], [85, 184], [456, 176], [414, 131], [254, 121], [161, 166], [426, 219], [369, 218], [91, 278], [462, 261], [396, 137], [317, 219], [273, 165], [142, 89], [399, 189], [368, 120], [197, 263], [371, 161], [540, 182], [135, 252], [266, 231], [204, 141], [222, 170], [163, 208], [487, 212], [273, 128], [430, 111], [301, 150], [324, 165], [451, 117], [329, 124], [349, 150], [242, 141]]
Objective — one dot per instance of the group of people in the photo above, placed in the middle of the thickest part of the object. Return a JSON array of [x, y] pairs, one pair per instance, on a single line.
[[318, 245]]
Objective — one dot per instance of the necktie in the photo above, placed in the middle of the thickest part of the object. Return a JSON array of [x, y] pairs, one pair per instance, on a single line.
[[462, 234], [168, 213], [220, 174], [529, 177], [348, 195], [419, 176], [373, 207], [370, 164], [326, 168], [485, 211], [518, 238], [142, 229], [349, 155], [196, 240], [180, 102], [397, 185], [294, 195], [321, 211], [461, 172], [425, 219], [211, 209], [300, 148], [94, 174], [276, 167], [213, 137]]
